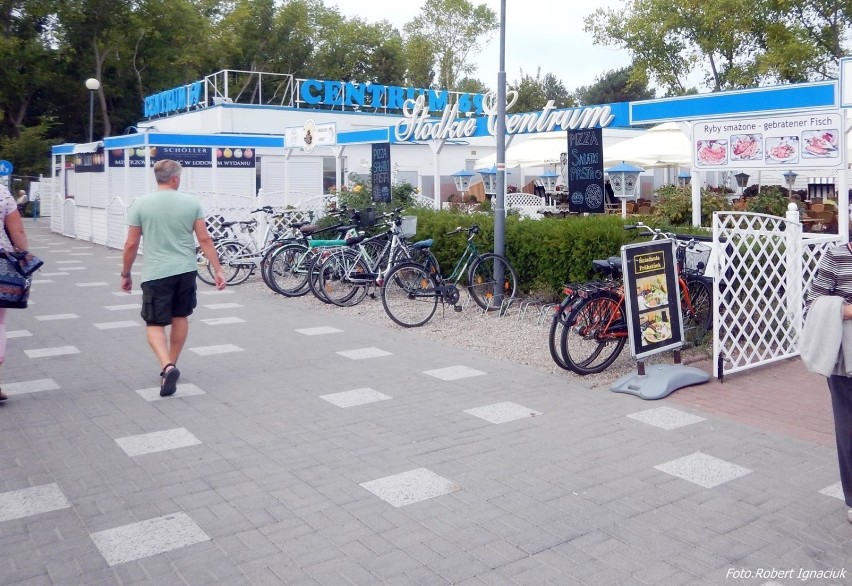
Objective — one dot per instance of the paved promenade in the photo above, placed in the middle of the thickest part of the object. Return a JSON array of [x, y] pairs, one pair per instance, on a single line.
[[303, 447]]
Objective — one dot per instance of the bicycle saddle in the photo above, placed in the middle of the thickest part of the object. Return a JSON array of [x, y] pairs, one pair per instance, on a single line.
[[355, 239], [306, 228], [611, 265], [423, 243]]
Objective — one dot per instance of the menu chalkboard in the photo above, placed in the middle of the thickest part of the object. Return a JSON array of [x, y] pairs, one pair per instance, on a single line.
[[381, 172], [585, 170]]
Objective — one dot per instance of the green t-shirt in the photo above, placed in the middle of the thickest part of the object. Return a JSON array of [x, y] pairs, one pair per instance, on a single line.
[[167, 219]]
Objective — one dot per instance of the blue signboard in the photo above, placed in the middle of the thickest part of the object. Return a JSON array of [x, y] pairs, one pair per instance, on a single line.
[[5, 168]]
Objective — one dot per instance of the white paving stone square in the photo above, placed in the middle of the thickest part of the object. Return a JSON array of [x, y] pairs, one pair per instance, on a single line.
[[157, 441], [834, 491], [17, 504], [93, 284], [74, 268], [57, 316], [666, 418], [220, 349], [55, 351], [454, 372], [502, 412], [81, 254], [147, 538], [56, 274], [123, 306], [183, 390], [40, 281], [319, 331], [355, 397], [223, 305], [364, 353], [215, 292], [410, 487], [30, 386], [703, 470], [132, 292], [18, 334], [59, 250], [68, 262], [114, 325], [221, 321]]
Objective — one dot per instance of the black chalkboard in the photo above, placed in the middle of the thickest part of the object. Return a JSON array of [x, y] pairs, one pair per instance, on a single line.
[[381, 172], [585, 171]]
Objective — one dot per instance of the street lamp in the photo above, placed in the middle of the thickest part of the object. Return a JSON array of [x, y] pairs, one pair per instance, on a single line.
[[489, 179], [549, 178], [683, 178], [790, 178], [742, 181], [93, 85], [623, 179], [462, 179]]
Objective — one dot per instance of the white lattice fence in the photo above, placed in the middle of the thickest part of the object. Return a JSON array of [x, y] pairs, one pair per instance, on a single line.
[[526, 204], [762, 269]]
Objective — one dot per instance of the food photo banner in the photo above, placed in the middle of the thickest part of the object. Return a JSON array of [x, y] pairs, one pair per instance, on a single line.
[[768, 143], [652, 297], [188, 157]]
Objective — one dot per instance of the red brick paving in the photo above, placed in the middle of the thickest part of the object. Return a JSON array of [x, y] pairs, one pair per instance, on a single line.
[[782, 397]]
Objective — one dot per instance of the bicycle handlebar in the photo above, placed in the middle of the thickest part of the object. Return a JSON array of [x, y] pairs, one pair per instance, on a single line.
[[474, 229], [658, 232]]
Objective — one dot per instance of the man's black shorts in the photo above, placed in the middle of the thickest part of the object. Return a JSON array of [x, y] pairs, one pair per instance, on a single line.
[[163, 299]]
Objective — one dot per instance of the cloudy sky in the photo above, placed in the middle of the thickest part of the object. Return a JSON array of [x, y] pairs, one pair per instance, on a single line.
[[545, 33]]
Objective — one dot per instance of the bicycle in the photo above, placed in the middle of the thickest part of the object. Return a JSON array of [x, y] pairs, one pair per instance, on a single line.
[[344, 274], [591, 323], [411, 291], [240, 255]]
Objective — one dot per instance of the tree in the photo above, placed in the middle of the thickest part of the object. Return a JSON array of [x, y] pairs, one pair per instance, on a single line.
[[535, 92], [420, 60], [30, 150], [458, 30], [736, 44], [616, 85]]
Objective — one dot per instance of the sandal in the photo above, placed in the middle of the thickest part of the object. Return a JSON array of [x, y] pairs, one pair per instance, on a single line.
[[3, 396], [168, 384]]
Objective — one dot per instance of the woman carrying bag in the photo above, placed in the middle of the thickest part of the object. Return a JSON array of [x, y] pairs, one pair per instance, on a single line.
[[13, 237]]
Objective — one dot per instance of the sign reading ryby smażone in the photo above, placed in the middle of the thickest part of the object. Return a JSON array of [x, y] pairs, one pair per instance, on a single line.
[[585, 170], [381, 172], [652, 297]]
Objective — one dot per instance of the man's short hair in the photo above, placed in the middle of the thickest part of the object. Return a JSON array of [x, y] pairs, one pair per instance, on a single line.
[[166, 169]]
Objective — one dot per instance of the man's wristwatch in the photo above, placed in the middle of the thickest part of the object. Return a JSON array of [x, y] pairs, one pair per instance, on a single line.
[[125, 275]]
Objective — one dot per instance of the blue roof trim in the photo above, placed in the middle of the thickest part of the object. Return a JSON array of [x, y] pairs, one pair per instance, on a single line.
[[214, 140], [359, 136], [62, 149], [753, 102]]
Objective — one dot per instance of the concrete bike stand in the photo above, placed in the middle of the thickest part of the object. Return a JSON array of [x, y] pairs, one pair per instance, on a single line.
[[660, 381]]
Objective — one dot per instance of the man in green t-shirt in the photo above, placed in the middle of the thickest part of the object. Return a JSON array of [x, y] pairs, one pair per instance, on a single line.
[[168, 220]]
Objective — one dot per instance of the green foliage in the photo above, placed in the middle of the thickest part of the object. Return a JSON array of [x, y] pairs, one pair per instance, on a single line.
[[673, 205], [29, 152], [534, 92], [620, 85], [771, 200]]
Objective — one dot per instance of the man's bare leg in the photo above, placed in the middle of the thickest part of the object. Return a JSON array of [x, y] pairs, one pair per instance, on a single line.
[[177, 337]]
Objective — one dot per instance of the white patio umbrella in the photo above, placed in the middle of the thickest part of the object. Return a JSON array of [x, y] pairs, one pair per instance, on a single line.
[[665, 145]]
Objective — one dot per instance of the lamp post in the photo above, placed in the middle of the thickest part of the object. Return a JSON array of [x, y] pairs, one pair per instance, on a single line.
[[93, 85], [742, 181], [790, 178], [489, 179], [548, 179], [623, 179], [462, 180]]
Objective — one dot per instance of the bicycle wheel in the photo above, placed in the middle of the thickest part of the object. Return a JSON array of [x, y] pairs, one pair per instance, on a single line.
[[698, 313], [409, 295], [594, 334], [234, 273], [339, 278], [314, 268], [288, 270], [204, 274], [481, 284], [560, 318], [425, 258]]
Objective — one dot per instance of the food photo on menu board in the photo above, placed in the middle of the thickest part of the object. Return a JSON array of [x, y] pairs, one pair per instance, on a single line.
[[712, 152], [820, 144], [746, 147], [656, 327], [651, 292], [782, 149]]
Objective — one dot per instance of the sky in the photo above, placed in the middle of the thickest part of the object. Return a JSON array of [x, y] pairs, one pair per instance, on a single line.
[[539, 33]]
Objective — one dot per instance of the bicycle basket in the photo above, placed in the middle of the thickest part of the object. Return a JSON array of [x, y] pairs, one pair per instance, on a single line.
[[408, 227], [366, 218], [696, 258]]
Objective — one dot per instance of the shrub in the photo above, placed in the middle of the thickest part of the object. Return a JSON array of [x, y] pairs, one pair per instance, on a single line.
[[674, 205]]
